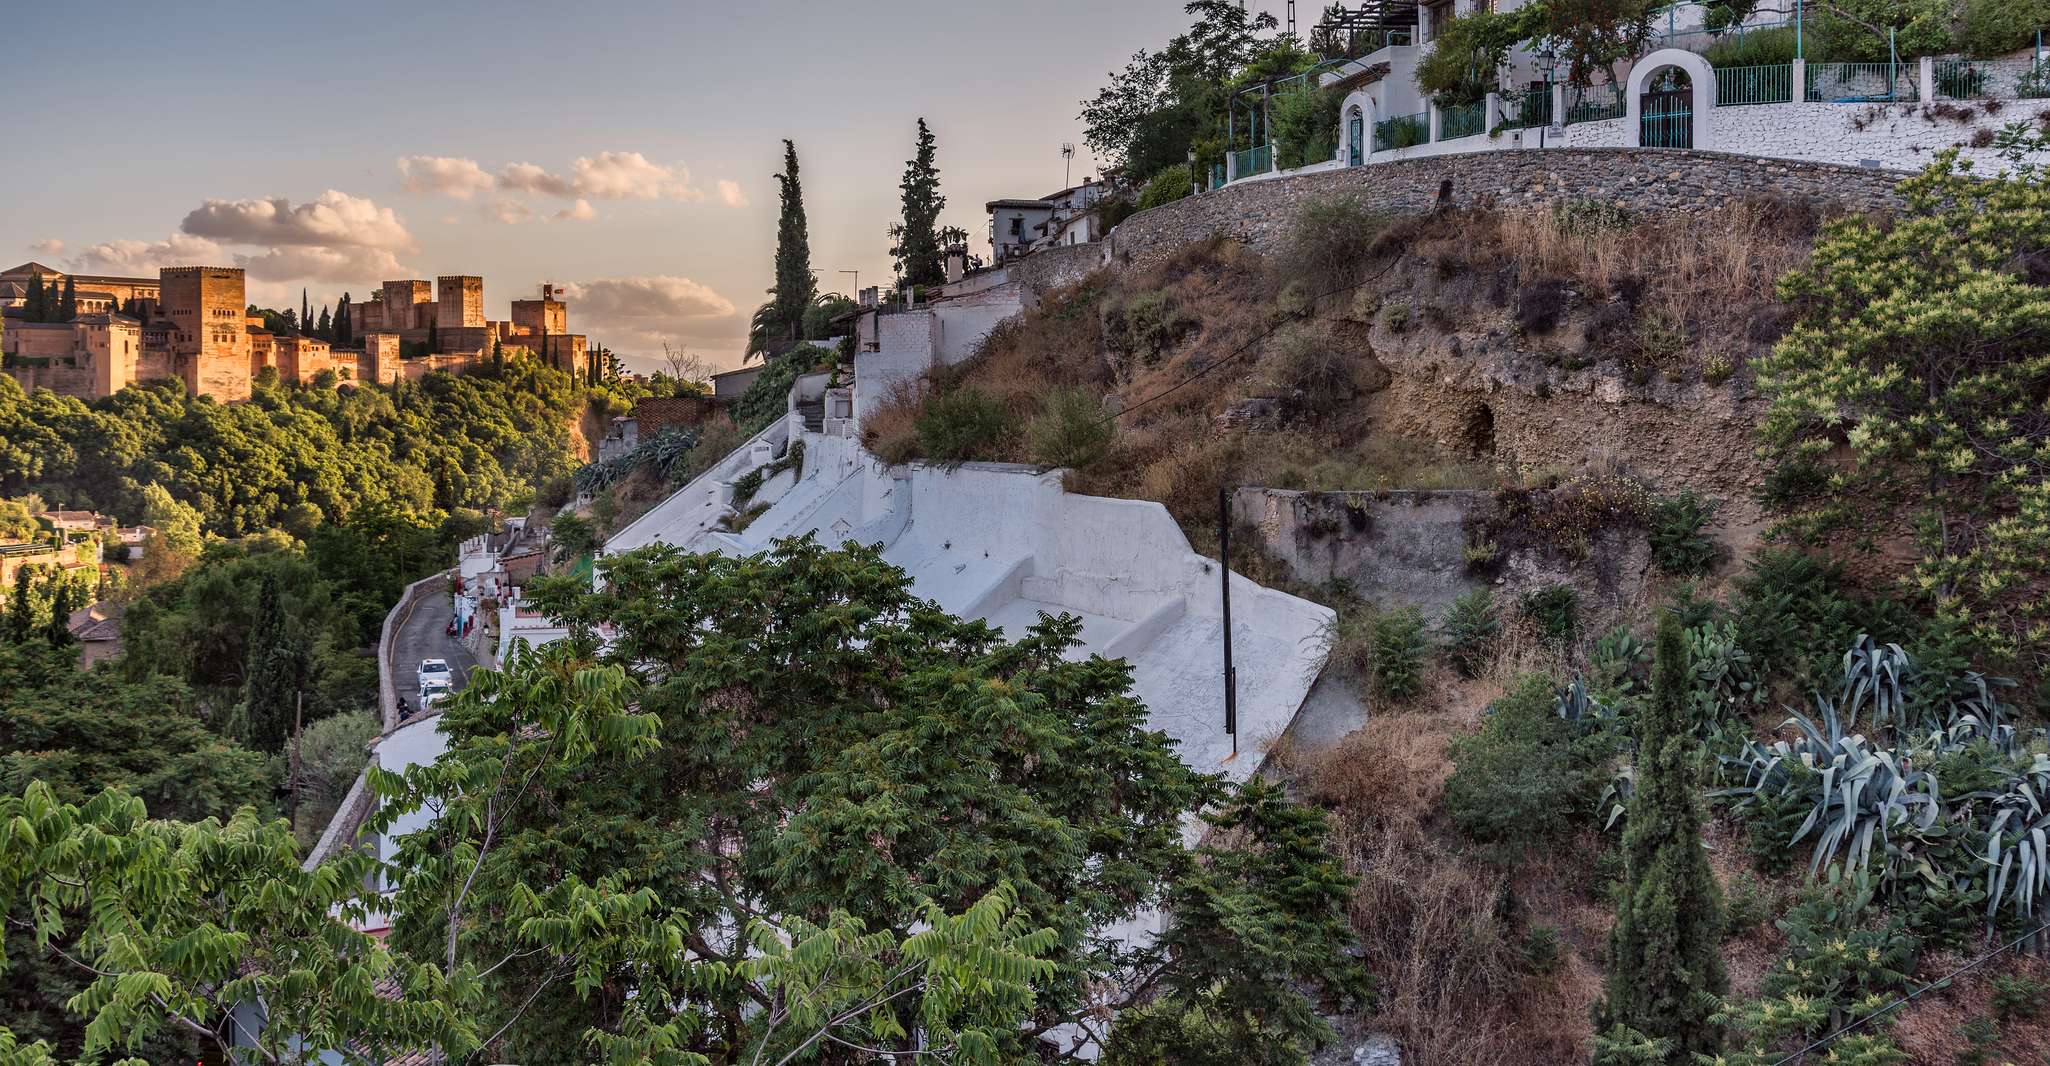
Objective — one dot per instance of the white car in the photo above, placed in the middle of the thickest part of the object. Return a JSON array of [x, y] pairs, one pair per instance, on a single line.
[[433, 693], [434, 672]]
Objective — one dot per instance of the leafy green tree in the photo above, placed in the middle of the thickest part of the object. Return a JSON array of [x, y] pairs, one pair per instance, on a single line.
[[1665, 974], [1165, 104], [1913, 382], [917, 248], [821, 741]]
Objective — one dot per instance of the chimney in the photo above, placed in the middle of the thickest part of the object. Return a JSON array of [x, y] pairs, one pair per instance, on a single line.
[[957, 263]]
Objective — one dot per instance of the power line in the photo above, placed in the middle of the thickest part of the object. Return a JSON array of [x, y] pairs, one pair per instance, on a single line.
[[1905, 1000], [1292, 317]]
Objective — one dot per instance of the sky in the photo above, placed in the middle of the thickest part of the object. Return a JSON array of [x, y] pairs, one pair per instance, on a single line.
[[623, 150]]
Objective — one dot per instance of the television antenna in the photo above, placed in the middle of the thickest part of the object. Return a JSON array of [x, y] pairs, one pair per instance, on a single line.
[[1067, 163]]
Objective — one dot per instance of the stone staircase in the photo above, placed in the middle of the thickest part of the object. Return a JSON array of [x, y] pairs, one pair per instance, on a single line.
[[814, 416]]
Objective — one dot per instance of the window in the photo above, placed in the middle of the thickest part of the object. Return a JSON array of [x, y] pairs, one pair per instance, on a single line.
[[1017, 225]]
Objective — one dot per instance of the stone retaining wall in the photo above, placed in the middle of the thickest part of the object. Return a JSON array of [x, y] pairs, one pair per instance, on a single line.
[[1051, 268], [1635, 179]]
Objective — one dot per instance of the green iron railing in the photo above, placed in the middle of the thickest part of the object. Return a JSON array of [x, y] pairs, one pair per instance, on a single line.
[[1406, 131], [1464, 120], [1736, 86], [1600, 104], [1861, 83], [1251, 161], [1528, 109], [1217, 175], [1960, 79]]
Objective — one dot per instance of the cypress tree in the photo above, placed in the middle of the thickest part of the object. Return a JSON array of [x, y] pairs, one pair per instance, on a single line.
[[67, 304], [326, 330], [305, 312], [918, 240], [21, 614], [62, 602], [796, 285], [37, 306], [433, 339], [1665, 972], [272, 672]]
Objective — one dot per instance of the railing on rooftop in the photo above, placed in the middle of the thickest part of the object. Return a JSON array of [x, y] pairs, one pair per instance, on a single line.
[[1463, 120], [1345, 45], [1251, 161], [1404, 131], [1737, 86], [1862, 83], [1598, 104]]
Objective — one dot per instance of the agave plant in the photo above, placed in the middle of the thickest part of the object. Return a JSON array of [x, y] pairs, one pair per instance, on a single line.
[[2017, 856], [1860, 795]]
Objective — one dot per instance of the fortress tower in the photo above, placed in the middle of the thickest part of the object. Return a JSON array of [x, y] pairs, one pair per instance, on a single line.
[[459, 301], [209, 331]]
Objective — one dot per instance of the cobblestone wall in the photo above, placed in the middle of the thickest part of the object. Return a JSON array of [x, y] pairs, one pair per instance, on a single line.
[[1052, 268], [1635, 179]]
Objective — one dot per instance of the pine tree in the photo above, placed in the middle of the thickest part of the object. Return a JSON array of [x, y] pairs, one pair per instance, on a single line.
[[67, 304], [272, 674], [918, 241], [795, 283], [37, 307], [1665, 972]]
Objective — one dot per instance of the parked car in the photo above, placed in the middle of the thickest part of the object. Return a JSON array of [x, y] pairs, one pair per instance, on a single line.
[[435, 672], [432, 693]]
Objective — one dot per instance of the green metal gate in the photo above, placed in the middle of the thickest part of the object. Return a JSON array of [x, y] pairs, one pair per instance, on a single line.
[[1667, 120], [1356, 136]]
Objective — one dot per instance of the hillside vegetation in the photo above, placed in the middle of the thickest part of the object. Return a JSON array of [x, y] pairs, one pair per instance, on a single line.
[[1824, 435]]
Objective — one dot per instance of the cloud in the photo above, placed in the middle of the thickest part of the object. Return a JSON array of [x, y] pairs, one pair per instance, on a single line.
[[336, 219], [606, 176], [144, 258], [533, 178], [510, 212], [337, 265], [639, 313], [460, 178], [46, 246], [581, 211], [730, 194]]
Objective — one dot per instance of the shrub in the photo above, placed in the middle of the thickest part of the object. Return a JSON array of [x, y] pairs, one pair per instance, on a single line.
[[1071, 431], [1528, 774], [1756, 48], [1144, 327], [1399, 649], [1995, 27], [1679, 544], [2019, 995], [1554, 611], [1331, 241], [1314, 371], [1166, 187], [1469, 629], [1305, 127], [962, 425]]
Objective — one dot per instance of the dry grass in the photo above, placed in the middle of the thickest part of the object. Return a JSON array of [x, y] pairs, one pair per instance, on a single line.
[[1442, 932]]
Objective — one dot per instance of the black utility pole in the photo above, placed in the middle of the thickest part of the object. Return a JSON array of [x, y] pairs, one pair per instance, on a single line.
[[1231, 674]]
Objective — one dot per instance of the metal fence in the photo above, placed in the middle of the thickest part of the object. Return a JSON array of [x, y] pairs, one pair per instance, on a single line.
[[1527, 109], [1862, 83], [1988, 79], [1737, 86], [1217, 175], [1406, 131], [1598, 104], [1464, 120], [1251, 161]]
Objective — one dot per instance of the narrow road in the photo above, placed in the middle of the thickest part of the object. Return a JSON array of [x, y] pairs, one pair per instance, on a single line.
[[423, 634]]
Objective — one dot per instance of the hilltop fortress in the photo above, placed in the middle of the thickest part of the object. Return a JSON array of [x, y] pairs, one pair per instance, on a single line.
[[193, 323]]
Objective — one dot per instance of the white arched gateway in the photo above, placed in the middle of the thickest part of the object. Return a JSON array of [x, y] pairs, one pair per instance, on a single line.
[[1671, 95]]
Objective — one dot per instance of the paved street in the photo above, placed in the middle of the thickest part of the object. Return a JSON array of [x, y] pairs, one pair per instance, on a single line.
[[423, 635]]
